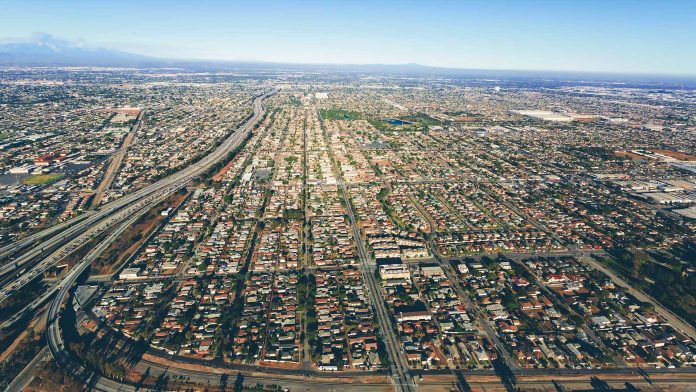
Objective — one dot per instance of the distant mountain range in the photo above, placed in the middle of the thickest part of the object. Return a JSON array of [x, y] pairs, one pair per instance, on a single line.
[[47, 50]]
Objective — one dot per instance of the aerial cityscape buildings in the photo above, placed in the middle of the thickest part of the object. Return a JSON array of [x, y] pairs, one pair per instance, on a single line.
[[367, 230], [173, 219]]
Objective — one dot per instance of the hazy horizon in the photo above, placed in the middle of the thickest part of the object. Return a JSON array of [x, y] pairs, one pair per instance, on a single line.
[[592, 37]]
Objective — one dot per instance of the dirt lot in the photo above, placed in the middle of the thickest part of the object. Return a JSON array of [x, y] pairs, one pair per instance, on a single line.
[[38, 325], [629, 155], [119, 251], [219, 175], [675, 154]]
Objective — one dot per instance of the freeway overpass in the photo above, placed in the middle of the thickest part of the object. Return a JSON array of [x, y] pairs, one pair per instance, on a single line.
[[403, 375], [75, 225], [67, 238], [133, 213]]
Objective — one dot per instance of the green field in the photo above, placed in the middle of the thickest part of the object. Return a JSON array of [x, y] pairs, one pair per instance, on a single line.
[[422, 120], [40, 179], [339, 114]]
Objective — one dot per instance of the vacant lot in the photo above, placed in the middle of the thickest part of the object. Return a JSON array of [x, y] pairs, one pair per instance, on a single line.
[[40, 179]]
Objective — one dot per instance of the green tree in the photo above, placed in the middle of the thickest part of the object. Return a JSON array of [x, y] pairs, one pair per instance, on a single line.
[[639, 258]]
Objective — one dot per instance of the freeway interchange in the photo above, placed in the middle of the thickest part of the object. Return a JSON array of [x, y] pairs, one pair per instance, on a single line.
[[44, 249]]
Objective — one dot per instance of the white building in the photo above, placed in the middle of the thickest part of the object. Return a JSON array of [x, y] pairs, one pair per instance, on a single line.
[[394, 271]]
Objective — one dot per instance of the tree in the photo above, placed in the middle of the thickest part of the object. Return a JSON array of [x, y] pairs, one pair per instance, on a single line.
[[639, 258]]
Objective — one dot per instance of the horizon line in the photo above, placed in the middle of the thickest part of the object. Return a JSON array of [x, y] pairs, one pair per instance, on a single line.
[[42, 38]]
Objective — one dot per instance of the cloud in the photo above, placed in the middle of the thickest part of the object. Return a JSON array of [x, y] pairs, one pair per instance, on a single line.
[[55, 41], [48, 40]]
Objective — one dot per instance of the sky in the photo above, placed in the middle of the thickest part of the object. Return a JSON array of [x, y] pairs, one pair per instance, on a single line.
[[634, 36]]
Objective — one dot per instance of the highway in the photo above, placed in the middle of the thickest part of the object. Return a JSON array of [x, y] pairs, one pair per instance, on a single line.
[[95, 230], [401, 373], [133, 213], [86, 219], [95, 382], [10, 249], [162, 189], [27, 374], [54, 338], [95, 222]]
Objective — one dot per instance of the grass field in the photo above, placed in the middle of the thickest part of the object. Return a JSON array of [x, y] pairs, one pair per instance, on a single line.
[[40, 179], [422, 119], [339, 114], [415, 122]]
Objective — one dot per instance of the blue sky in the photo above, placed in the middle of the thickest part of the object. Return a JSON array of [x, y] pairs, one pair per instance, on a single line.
[[604, 36]]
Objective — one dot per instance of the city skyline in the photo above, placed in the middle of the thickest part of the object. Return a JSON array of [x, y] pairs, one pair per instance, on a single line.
[[620, 37]]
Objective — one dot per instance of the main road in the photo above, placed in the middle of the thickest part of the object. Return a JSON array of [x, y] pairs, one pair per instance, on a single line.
[[672, 318], [400, 371], [399, 367], [116, 161]]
